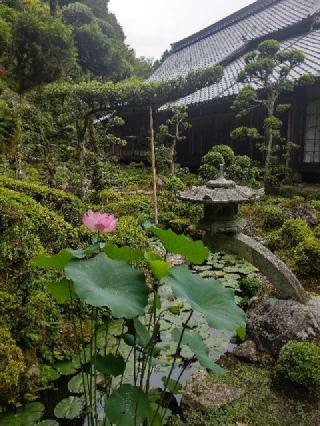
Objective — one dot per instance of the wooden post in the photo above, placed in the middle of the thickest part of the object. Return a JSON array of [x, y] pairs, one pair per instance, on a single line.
[[153, 165]]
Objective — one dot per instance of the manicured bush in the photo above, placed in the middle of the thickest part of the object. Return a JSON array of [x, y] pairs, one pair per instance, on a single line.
[[299, 362], [173, 184], [237, 167], [315, 204], [28, 228], [294, 232], [272, 217], [12, 369], [129, 233], [66, 205], [307, 257], [132, 205], [109, 196]]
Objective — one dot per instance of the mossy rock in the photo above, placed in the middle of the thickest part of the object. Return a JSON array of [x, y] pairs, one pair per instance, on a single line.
[[299, 362]]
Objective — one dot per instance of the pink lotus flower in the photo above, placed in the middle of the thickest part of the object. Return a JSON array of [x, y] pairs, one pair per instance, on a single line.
[[99, 222]]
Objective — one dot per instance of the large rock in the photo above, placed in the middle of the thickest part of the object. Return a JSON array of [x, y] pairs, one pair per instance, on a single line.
[[248, 352], [303, 211], [271, 323], [200, 395]]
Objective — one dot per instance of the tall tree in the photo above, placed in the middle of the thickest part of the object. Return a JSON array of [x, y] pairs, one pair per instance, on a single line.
[[266, 76]]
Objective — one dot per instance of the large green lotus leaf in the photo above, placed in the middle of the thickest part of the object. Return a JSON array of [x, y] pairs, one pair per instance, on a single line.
[[159, 268], [66, 368], [62, 291], [209, 297], [195, 251], [111, 365], [105, 282], [69, 408], [126, 253], [27, 416], [57, 261], [142, 334], [193, 340], [127, 404]]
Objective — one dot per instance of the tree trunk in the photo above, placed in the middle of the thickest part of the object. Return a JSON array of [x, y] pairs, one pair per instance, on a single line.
[[53, 7], [81, 136], [269, 148], [154, 170]]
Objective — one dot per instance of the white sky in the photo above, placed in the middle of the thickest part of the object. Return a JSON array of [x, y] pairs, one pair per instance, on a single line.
[[152, 25]]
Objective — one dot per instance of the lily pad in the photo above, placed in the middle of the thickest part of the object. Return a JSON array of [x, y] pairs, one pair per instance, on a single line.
[[75, 385], [194, 341], [69, 408], [105, 282], [111, 365], [27, 416]]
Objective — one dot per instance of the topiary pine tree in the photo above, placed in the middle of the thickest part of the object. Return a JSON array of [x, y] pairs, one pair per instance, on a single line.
[[174, 129], [266, 76]]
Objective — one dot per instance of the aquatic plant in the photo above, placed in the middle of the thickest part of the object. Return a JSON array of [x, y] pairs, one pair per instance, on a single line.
[[126, 314]]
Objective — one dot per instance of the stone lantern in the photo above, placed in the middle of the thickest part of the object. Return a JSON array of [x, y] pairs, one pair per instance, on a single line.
[[222, 232]]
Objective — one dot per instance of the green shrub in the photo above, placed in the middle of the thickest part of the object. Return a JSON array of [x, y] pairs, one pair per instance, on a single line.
[[272, 217], [251, 286], [293, 232], [109, 196], [66, 205], [10, 307], [315, 204], [307, 257], [129, 232], [317, 232], [173, 184], [299, 362], [132, 205], [12, 369], [237, 167], [27, 228], [274, 240]]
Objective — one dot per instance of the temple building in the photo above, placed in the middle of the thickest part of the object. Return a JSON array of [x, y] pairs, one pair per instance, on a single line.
[[295, 24]]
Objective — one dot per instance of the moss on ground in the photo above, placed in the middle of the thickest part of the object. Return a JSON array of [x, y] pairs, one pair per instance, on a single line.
[[262, 405]]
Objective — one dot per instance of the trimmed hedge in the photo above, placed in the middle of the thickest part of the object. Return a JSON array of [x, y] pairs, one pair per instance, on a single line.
[[67, 205], [299, 362]]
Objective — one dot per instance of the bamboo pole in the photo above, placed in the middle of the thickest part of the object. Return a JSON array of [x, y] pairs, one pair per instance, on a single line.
[[153, 165]]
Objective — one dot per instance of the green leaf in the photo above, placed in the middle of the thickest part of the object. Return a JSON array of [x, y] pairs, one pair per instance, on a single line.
[[194, 341], [69, 408], [62, 291], [105, 282], [66, 368], [143, 335], [111, 365], [209, 297], [195, 251], [27, 416], [173, 385], [48, 423], [75, 385], [57, 261], [242, 333], [127, 404], [126, 254], [159, 268]]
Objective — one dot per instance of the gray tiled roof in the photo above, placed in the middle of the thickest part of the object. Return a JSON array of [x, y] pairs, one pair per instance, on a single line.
[[214, 44], [308, 43]]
